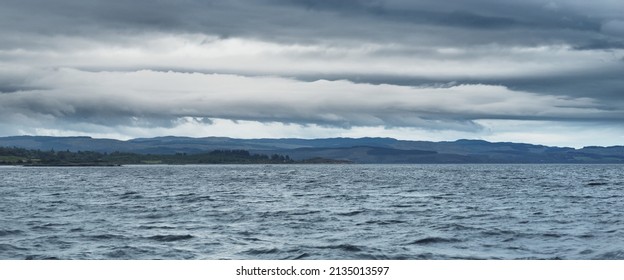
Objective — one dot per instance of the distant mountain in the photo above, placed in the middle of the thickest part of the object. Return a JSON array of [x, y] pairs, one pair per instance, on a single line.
[[358, 150]]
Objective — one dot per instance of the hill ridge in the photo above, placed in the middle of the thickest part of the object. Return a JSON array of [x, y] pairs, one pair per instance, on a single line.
[[359, 150]]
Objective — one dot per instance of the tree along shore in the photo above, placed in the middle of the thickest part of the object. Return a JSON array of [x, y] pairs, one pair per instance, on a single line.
[[20, 156]]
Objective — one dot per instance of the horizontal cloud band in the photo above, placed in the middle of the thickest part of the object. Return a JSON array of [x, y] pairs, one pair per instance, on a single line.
[[159, 98]]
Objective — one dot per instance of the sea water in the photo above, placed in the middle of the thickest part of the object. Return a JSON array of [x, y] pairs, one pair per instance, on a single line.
[[313, 212]]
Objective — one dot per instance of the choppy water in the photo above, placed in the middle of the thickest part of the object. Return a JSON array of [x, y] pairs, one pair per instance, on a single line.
[[313, 212]]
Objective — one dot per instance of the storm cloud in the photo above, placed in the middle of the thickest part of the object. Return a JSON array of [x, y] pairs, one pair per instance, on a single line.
[[440, 66]]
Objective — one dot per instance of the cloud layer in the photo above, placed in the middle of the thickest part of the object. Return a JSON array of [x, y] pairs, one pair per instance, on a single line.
[[455, 67]]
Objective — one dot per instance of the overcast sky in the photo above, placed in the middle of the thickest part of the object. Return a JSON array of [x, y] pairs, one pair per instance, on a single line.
[[544, 72]]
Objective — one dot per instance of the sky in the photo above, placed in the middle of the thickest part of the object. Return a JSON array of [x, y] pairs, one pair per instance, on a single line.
[[542, 72]]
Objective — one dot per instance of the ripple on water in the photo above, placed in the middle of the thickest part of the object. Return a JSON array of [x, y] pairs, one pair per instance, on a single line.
[[171, 237], [596, 183], [351, 213], [9, 248], [261, 251], [41, 257], [342, 247], [433, 240], [382, 222], [611, 255], [6, 232], [105, 236]]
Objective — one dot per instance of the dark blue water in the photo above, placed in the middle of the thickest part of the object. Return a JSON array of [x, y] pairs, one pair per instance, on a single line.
[[313, 212]]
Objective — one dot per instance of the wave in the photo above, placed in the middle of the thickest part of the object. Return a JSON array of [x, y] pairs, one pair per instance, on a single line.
[[382, 222], [612, 255], [171, 237], [343, 247], [130, 195], [302, 256], [157, 215], [40, 257], [351, 213], [10, 232], [156, 227], [105, 236], [9, 248], [433, 240], [48, 226], [265, 251]]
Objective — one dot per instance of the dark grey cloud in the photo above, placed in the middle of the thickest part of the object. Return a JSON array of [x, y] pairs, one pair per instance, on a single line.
[[304, 20], [601, 44], [461, 14]]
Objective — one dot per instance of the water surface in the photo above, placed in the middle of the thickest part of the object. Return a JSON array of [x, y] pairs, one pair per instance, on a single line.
[[313, 212]]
